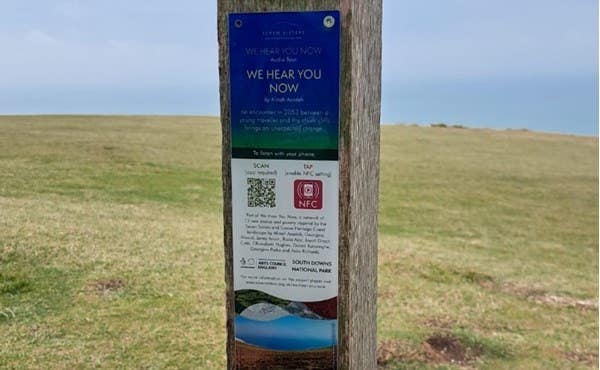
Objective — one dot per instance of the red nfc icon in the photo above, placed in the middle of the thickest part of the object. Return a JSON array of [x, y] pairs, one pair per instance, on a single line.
[[308, 194]]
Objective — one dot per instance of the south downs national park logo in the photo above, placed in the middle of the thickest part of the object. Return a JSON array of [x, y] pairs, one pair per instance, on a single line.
[[308, 194]]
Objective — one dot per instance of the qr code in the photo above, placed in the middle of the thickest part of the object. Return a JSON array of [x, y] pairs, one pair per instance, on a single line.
[[261, 192]]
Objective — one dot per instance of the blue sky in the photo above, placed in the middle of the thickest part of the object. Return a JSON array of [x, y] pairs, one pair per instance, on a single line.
[[520, 64]]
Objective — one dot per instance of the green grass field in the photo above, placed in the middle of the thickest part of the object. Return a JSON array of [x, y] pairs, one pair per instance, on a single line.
[[111, 246]]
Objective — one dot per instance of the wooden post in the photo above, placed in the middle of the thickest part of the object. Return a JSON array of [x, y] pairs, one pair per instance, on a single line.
[[358, 156]]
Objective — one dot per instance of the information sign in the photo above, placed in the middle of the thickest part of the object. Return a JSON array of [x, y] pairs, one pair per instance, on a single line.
[[284, 71]]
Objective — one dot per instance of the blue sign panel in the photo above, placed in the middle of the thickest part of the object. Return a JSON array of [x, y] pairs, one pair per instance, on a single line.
[[284, 79], [284, 71]]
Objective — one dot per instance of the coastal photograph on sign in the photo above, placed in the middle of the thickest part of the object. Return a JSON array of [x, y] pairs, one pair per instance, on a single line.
[[301, 185]]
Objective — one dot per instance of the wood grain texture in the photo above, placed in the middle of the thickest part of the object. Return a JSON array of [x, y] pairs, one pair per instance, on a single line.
[[359, 169], [359, 179]]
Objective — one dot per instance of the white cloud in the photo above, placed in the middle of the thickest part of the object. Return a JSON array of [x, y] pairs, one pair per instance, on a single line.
[[39, 38], [70, 9], [36, 58], [470, 39]]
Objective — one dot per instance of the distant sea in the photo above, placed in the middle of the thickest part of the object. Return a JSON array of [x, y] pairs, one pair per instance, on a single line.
[[564, 105]]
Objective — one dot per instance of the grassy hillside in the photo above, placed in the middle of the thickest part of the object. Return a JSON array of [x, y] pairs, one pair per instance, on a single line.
[[111, 246]]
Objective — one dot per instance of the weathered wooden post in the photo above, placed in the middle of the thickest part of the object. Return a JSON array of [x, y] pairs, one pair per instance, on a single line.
[[300, 102]]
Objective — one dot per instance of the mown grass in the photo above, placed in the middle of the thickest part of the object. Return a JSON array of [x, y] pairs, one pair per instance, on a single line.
[[111, 245]]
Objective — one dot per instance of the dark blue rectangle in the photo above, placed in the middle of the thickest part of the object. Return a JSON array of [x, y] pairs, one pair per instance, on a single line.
[[285, 81]]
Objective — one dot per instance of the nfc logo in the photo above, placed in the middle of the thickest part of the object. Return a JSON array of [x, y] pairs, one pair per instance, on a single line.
[[308, 194]]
